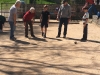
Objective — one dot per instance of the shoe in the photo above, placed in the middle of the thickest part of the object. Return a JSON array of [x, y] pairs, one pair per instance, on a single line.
[[64, 36], [13, 39], [42, 33], [83, 40], [33, 35], [57, 36], [26, 36]]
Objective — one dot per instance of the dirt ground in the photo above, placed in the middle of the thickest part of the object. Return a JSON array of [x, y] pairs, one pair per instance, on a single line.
[[50, 56]]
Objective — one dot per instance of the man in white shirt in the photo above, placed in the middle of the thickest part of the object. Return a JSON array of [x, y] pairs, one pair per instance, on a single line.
[[12, 18], [85, 24]]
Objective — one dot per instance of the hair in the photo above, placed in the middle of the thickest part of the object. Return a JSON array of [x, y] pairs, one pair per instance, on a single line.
[[17, 1], [85, 8], [64, 1], [32, 8], [45, 6]]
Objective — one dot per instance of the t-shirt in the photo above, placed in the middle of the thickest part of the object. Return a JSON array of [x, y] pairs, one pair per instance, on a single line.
[[13, 10], [45, 15], [90, 1], [85, 16], [28, 16]]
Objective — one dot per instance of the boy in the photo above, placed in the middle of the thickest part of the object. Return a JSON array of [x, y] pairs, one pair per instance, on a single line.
[[85, 24], [44, 19], [29, 19]]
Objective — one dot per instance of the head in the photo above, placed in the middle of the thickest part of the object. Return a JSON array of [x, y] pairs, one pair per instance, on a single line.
[[85, 9], [32, 9], [65, 2], [18, 3], [45, 7]]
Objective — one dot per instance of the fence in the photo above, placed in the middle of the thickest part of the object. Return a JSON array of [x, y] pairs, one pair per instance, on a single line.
[[76, 10]]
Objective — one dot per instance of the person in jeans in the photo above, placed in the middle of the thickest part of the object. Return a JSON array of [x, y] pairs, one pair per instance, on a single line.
[[92, 8], [28, 19], [2, 21], [44, 19], [85, 24], [12, 18], [64, 14]]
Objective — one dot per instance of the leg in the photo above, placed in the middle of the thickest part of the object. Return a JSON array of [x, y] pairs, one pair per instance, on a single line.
[[85, 32], [65, 27], [26, 30], [42, 25], [60, 26], [0, 26], [94, 9], [31, 29], [97, 2], [12, 29]]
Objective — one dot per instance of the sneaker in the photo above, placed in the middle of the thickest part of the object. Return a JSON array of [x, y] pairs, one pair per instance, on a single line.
[[64, 36], [42, 33], [57, 36], [13, 39], [26, 36], [83, 40], [33, 35]]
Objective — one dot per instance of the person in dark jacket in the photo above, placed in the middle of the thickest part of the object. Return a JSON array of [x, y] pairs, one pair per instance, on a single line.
[[2, 21]]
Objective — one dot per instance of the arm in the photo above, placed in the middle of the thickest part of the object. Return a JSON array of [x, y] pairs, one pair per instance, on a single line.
[[58, 14], [48, 18], [14, 18]]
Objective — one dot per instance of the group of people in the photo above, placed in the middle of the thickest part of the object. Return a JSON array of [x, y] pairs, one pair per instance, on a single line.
[[63, 15]]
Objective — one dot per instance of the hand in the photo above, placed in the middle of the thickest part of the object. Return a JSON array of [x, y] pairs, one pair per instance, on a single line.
[[15, 23], [40, 20], [57, 19], [25, 24], [69, 20]]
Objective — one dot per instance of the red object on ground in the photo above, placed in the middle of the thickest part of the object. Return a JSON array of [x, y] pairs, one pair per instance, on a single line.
[[28, 16]]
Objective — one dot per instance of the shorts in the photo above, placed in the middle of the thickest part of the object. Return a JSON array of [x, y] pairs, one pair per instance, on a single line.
[[44, 24]]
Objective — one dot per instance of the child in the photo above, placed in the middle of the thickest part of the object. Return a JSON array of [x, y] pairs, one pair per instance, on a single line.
[[44, 19], [85, 24]]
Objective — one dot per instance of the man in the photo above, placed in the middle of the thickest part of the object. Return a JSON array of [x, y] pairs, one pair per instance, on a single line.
[[64, 14], [85, 24], [29, 19], [12, 18], [2, 21]]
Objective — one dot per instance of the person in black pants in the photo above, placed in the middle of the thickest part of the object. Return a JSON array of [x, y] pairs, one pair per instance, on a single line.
[[97, 2], [64, 14], [2, 21], [85, 24]]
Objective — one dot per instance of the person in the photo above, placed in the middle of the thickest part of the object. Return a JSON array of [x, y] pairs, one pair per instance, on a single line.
[[12, 18], [92, 7], [2, 21], [44, 19], [28, 19], [85, 24], [97, 2], [64, 15]]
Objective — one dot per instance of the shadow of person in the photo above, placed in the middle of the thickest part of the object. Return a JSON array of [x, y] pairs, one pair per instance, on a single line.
[[4, 33], [54, 39], [22, 42], [39, 39]]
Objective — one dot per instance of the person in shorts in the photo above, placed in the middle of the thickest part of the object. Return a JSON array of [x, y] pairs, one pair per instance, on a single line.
[[85, 24], [44, 19]]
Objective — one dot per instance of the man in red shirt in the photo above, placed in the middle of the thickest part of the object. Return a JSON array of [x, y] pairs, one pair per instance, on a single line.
[[92, 7], [29, 20]]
